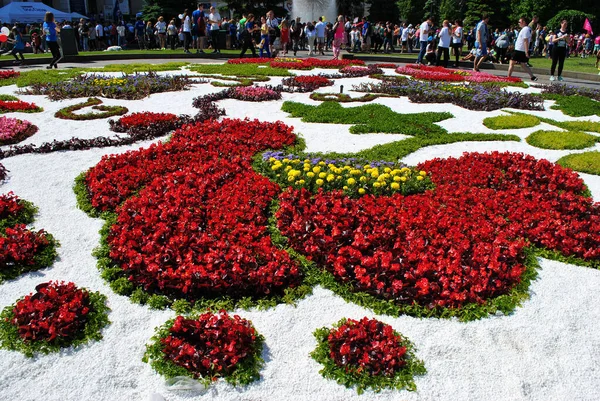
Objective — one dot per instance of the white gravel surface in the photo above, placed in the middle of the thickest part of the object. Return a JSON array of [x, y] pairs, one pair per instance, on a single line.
[[549, 349]]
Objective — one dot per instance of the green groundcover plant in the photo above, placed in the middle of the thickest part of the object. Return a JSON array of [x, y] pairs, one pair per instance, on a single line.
[[587, 162], [514, 121], [561, 140]]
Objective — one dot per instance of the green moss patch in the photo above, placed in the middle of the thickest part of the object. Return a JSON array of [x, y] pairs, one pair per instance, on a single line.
[[588, 162], [574, 106], [561, 140], [514, 121], [240, 70]]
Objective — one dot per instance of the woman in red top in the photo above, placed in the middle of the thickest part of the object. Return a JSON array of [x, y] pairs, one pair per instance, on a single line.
[[285, 36], [338, 37]]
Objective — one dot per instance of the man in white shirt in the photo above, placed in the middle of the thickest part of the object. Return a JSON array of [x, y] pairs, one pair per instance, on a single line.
[[100, 36], [215, 20], [521, 53], [320, 28], [273, 26], [424, 36]]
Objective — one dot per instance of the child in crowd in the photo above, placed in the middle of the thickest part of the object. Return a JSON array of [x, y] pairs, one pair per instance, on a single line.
[[19, 46]]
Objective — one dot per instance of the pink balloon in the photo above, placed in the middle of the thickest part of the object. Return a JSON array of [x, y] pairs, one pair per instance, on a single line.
[[3, 38]]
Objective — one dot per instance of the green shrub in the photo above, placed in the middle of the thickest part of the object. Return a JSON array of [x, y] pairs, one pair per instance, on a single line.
[[585, 126], [514, 121], [575, 106], [561, 140], [370, 118], [588, 162]]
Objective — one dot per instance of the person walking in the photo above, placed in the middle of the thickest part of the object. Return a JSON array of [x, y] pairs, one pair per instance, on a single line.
[[521, 53], [161, 29], [186, 29], [18, 46], [423, 38], [320, 28], [444, 45], [246, 36], [311, 35], [51, 31], [559, 50], [481, 38]]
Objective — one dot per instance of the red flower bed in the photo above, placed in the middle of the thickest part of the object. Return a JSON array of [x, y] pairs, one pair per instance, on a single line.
[[7, 106], [137, 120], [20, 246], [55, 310], [306, 83], [9, 74], [367, 346], [9, 205], [428, 73], [176, 237], [461, 243], [212, 345]]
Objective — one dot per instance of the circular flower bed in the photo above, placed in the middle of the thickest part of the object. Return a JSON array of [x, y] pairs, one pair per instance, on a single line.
[[68, 113], [22, 250], [342, 97], [212, 346], [562, 140], [13, 130], [57, 315], [462, 244], [367, 353], [353, 71], [306, 83]]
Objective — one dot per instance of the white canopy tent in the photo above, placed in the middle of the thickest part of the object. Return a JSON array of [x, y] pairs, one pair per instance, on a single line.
[[29, 12]]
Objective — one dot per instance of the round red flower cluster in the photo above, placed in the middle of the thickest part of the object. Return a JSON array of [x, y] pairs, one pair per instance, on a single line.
[[428, 73], [55, 310], [9, 206], [306, 83], [176, 237], [212, 345], [19, 246], [460, 243], [367, 346]]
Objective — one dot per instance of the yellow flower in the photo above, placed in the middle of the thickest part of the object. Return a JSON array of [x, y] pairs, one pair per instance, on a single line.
[[423, 173], [322, 175], [275, 167], [377, 184], [330, 177], [272, 159], [345, 188], [395, 185], [301, 182], [306, 168], [395, 172], [316, 169], [363, 178], [319, 182], [321, 163], [291, 178], [366, 166], [387, 170], [310, 174], [374, 174], [420, 177], [398, 178], [286, 160], [361, 191], [403, 179], [288, 167], [351, 181]]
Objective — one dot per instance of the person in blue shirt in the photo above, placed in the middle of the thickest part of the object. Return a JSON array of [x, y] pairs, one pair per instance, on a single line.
[[140, 30], [50, 30], [18, 47], [366, 34], [246, 36]]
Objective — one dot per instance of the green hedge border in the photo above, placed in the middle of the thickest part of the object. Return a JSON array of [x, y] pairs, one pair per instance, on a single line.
[[403, 379], [246, 372], [97, 319]]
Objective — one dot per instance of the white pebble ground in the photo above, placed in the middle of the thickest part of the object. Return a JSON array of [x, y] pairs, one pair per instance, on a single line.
[[548, 349]]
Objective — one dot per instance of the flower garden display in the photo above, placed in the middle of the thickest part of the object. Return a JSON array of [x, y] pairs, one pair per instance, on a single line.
[[22, 250], [343, 97], [56, 316], [13, 130], [68, 113], [353, 71], [367, 354], [254, 94], [212, 346], [297, 64]]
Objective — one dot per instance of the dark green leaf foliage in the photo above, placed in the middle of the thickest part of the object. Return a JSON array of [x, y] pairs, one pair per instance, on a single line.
[[25, 216], [97, 319]]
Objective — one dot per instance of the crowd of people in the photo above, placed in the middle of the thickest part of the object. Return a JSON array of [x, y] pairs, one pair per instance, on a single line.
[[202, 30]]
